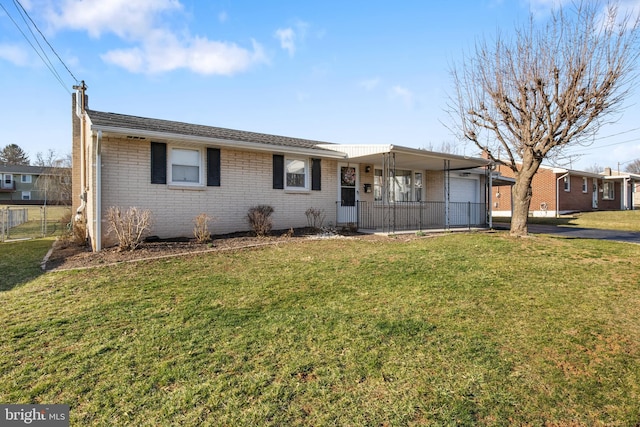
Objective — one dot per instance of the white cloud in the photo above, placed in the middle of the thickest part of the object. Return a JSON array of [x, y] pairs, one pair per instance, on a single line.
[[369, 84], [287, 39], [127, 19], [14, 54], [290, 37], [199, 55], [403, 94], [157, 48]]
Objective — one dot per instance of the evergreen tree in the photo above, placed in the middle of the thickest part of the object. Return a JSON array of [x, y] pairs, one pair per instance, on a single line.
[[12, 154]]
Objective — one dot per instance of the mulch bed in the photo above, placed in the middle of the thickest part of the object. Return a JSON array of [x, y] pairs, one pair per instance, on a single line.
[[66, 256]]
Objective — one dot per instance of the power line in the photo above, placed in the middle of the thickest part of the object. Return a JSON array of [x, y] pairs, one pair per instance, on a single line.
[[40, 52], [48, 61], [47, 42], [612, 144], [616, 134]]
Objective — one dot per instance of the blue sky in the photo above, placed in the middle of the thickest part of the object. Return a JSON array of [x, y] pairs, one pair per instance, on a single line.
[[351, 72]]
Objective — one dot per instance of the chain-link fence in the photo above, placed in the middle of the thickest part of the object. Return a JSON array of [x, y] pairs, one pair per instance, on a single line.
[[20, 222]]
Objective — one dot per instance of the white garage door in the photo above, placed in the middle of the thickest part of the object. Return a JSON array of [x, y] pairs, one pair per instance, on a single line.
[[461, 213], [463, 190]]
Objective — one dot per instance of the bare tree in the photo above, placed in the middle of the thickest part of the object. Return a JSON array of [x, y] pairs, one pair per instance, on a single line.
[[524, 99], [55, 180], [633, 167], [594, 168]]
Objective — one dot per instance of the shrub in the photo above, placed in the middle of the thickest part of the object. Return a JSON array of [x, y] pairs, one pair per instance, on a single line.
[[130, 226], [315, 218], [201, 229], [74, 232], [259, 218]]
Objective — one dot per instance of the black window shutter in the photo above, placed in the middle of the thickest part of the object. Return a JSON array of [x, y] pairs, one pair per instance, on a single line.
[[213, 167], [316, 175], [158, 163], [278, 172]]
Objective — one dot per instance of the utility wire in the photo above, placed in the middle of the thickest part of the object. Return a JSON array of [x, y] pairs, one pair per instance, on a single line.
[[50, 67], [616, 134], [48, 61], [611, 145], [47, 41]]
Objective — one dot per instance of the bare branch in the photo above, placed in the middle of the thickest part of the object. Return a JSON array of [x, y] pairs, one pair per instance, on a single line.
[[550, 87]]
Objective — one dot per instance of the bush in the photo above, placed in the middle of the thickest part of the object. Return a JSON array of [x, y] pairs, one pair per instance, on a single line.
[[259, 218], [130, 226], [74, 232], [315, 218], [201, 229]]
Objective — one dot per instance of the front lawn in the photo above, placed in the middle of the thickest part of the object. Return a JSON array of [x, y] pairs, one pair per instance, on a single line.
[[460, 329]]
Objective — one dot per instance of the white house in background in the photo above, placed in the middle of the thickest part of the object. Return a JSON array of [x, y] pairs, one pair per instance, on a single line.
[[179, 170], [628, 185]]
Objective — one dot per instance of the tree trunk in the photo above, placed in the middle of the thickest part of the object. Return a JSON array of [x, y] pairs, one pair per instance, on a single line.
[[521, 196]]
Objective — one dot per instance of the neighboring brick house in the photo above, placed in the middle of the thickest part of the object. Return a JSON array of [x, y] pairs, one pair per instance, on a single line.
[[179, 170], [23, 185], [558, 191]]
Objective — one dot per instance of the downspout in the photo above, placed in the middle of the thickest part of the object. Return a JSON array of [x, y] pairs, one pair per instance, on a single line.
[[558, 193], [80, 112], [447, 193], [625, 182], [489, 195], [98, 196]]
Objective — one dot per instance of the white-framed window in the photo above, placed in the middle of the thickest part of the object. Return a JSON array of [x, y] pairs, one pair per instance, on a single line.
[[403, 186], [26, 195], [296, 174], [608, 191], [418, 184], [567, 183], [25, 179], [377, 185], [185, 166], [8, 178], [585, 185]]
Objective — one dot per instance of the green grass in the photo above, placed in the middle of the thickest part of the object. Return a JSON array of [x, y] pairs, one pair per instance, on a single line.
[[605, 220], [20, 261], [461, 329]]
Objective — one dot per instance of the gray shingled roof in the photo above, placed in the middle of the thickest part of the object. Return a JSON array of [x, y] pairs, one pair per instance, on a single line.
[[21, 169], [101, 119]]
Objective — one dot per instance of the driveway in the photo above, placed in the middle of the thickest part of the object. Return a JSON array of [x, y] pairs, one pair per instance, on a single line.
[[581, 233]]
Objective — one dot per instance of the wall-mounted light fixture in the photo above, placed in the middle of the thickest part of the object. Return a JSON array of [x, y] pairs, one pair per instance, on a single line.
[[367, 169]]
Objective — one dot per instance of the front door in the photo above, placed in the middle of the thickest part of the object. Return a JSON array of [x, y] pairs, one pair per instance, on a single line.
[[594, 197], [348, 193]]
